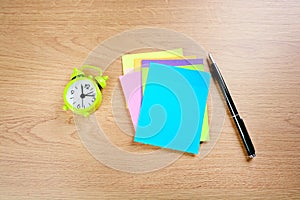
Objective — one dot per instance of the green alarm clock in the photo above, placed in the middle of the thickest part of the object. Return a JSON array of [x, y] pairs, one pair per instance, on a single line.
[[82, 94]]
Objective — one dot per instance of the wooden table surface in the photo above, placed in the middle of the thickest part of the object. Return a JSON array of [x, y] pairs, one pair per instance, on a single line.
[[256, 44]]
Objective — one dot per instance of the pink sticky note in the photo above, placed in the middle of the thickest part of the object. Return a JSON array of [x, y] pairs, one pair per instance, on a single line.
[[132, 89]]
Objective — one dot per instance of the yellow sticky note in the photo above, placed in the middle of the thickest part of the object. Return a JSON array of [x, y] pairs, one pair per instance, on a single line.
[[128, 59]]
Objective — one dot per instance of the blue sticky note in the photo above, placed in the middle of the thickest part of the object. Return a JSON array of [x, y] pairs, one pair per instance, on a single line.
[[173, 107]]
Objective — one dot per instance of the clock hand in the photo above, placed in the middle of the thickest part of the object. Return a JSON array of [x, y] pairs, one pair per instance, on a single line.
[[89, 95], [82, 102], [82, 95]]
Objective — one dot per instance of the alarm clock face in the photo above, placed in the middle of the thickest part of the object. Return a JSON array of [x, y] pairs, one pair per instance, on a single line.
[[82, 94]]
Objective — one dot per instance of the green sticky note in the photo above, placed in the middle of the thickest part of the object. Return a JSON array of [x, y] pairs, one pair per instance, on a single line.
[[173, 107], [205, 125], [146, 69]]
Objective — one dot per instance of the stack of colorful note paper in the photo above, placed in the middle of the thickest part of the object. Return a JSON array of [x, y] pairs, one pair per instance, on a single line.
[[166, 94]]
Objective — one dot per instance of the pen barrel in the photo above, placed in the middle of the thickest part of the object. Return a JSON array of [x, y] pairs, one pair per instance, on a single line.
[[219, 78], [244, 136]]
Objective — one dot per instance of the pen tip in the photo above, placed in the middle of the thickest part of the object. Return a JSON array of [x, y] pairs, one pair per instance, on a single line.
[[211, 58]]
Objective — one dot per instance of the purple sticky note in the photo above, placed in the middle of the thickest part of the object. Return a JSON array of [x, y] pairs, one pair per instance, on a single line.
[[180, 62], [132, 89]]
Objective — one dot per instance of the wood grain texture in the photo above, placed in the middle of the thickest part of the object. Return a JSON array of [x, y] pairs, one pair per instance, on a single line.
[[256, 45]]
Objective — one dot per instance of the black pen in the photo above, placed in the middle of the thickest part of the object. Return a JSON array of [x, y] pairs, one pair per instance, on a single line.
[[234, 113]]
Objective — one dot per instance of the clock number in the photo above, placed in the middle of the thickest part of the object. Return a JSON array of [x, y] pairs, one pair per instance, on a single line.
[[87, 86], [72, 91], [93, 99], [78, 106]]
